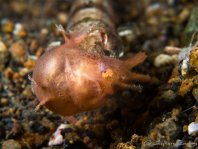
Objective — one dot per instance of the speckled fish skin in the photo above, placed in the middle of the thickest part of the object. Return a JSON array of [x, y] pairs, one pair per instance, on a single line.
[[96, 19]]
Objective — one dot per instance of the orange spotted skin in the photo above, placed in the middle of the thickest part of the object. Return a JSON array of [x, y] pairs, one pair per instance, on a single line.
[[77, 76]]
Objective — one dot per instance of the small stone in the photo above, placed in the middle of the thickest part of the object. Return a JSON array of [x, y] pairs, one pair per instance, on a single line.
[[11, 144], [62, 17], [86, 140], [125, 146], [39, 52], [153, 9], [3, 47], [16, 77], [23, 72], [3, 102], [54, 43], [178, 144], [44, 31], [29, 64], [34, 44], [195, 93], [8, 73], [19, 30], [3, 53], [153, 135], [135, 138], [175, 112], [185, 128], [18, 51], [7, 26], [193, 128], [184, 14], [19, 7], [169, 95], [27, 92], [57, 137], [152, 21], [164, 59]]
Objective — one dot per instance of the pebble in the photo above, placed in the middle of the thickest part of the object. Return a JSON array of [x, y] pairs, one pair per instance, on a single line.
[[33, 44], [8, 73], [164, 59], [19, 30], [11, 144], [18, 51], [7, 26], [169, 95], [178, 144], [29, 64], [62, 17], [27, 92], [195, 93], [3, 102], [193, 128], [3, 53], [195, 79], [54, 43], [184, 14], [44, 31], [3, 47], [185, 128], [125, 146], [57, 137], [19, 7], [153, 9], [16, 77], [23, 72]]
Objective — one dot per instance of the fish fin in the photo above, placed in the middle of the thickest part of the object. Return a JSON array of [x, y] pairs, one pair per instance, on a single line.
[[142, 78], [135, 60], [63, 32]]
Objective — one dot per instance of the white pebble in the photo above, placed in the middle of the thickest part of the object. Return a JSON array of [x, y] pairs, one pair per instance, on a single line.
[[54, 43], [193, 128], [57, 137], [184, 67], [17, 28], [164, 59], [44, 31]]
